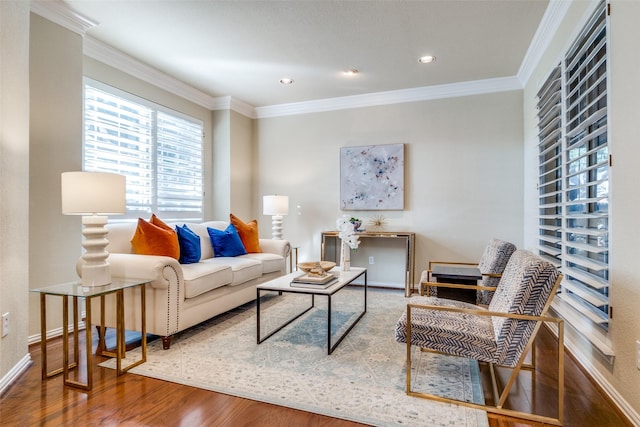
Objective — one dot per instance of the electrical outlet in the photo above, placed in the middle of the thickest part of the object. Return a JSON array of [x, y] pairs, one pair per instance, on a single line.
[[371, 260], [5, 324], [638, 354]]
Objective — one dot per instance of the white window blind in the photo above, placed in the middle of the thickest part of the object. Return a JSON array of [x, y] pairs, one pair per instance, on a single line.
[[158, 150], [573, 181], [550, 168]]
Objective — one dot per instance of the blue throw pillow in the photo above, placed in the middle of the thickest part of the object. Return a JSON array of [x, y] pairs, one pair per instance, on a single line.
[[227, 242], [189, 245]]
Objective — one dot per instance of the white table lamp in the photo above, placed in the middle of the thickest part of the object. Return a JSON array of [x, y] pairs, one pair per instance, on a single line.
[[94, 195], [276, 206]]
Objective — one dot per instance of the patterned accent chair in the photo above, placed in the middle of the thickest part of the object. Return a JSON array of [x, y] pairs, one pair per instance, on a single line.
[[491, 265], [501, 334]]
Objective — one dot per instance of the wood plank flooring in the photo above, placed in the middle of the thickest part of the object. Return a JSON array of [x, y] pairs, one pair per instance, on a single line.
[[133, 400]]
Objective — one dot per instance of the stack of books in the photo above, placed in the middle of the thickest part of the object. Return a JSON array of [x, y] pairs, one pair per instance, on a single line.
[[314, 281]]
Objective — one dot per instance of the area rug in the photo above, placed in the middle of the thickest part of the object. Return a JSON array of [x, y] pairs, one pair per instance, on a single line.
[[363, 380]]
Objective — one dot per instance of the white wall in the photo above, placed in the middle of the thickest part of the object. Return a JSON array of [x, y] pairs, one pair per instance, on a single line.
[[233, 165], [621, 379], [55, 146], [14, 185], [463, 173], [57, 69]]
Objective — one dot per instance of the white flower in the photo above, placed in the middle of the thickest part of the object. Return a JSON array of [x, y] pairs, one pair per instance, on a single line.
[[347, 232]]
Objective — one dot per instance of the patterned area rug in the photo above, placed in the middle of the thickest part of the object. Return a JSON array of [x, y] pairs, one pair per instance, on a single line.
[[363, 380]]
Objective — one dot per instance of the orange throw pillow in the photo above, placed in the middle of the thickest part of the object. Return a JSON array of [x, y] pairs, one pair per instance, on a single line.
[[155, 238], [248, 233]]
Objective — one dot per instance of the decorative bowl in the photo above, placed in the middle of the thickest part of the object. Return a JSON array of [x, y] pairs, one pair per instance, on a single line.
[[316, 267]]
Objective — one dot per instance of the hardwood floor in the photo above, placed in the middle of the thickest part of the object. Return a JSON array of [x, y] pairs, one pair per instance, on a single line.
[[133, 400]]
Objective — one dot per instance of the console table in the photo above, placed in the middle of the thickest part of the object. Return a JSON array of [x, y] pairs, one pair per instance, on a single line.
[[410, 246]]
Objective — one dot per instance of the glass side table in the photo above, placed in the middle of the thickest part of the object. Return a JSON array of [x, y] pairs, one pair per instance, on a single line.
[[75, 290]]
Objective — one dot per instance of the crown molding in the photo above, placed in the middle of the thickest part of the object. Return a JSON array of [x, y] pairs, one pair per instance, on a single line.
[[243, 108], [109, 55], [551, 20], [59, 13], [426, 93]]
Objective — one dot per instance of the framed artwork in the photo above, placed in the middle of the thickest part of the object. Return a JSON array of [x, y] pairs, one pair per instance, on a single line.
[[372, 177]]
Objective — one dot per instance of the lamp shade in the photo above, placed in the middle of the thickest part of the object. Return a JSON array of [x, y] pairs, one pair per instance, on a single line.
[[275, 205], [87, 193]]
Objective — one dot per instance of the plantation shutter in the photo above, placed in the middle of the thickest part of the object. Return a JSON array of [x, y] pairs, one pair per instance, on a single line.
[[586, 253], [180, 172], [159, 152], [550, 168], [573, 183]]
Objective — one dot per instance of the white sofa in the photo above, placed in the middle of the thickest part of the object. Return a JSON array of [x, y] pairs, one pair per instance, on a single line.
[[179, 296]]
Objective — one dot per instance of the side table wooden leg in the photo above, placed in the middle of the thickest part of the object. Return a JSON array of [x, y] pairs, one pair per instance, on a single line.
[[89, 343], [102, 345], [76, 341], [65, 344], [119, 330], [43, 334], [65, 338], [122, 327], [143, 310]]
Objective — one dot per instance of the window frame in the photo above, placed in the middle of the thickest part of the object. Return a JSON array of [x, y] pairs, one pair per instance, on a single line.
[[136, 210]]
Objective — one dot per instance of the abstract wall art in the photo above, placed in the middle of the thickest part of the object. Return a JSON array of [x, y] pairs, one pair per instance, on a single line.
[[372, 177]]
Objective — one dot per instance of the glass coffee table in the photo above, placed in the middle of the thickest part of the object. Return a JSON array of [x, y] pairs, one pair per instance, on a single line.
[[283, 285]]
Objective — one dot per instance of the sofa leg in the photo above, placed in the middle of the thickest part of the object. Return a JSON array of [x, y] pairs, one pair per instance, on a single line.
[[101, 347], [166, 342]]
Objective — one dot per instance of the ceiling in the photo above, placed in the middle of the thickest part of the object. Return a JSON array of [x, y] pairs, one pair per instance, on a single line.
[[243, 48]]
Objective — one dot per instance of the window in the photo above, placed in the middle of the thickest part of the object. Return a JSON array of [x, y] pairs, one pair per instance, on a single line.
[[573, 183], [158, 150]]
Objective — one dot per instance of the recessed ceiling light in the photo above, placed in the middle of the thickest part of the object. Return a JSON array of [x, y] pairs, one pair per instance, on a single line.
[[286, 81], [426, 59], [351, 72]]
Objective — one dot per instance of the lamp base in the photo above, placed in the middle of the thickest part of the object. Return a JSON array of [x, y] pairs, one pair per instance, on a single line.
[[96, 270], [276, 227], [96, 275]]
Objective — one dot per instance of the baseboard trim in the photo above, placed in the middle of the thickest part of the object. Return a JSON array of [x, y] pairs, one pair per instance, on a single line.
[[590, 370], [53, 333], [15, 372]]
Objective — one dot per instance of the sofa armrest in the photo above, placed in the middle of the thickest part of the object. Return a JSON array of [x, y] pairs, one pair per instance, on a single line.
[[161, 271], [278, 247]]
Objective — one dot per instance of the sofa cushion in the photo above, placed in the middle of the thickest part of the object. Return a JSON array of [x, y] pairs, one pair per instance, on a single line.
[[202, 277], [206, 249], [189, 245], [226, 243], [448, 332], [155, 238], [270, 262], [248, 233], [244, 269]]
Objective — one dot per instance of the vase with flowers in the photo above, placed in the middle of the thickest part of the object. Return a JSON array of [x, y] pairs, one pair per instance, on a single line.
[[357, 223], [350, 241]]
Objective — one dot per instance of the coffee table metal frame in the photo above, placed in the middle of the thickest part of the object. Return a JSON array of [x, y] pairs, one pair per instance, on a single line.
[[283, 284]]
